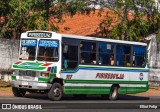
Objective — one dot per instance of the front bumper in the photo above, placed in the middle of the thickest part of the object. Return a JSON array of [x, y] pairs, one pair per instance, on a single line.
[[30, 85]]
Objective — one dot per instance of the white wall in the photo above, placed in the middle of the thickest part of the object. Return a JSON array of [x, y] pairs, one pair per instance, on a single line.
[[154, 61], [8, 53]]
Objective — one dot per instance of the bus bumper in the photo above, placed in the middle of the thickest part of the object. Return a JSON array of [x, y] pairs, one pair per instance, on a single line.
[[30, 85]]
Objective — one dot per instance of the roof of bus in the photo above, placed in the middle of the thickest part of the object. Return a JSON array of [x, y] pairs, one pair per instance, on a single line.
[[104, 39], [94, 38]]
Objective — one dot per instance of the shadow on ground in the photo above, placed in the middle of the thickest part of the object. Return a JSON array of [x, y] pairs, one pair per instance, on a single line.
[[88, 97]]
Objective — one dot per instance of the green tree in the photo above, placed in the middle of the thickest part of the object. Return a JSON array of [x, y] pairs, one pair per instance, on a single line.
[[21, 15], [145, 19], [4, 10]]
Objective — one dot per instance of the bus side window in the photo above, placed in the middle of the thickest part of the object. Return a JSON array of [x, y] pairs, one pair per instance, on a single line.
[[106, 56], [123, 55], [139, 56], [88, 52], [69, 57]]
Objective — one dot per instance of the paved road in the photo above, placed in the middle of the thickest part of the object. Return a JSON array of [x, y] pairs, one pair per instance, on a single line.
[[90, 103]]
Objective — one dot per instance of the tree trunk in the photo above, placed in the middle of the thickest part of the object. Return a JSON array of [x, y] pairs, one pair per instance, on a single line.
[[124, 23]]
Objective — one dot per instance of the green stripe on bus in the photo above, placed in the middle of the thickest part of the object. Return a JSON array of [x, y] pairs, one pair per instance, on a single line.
[[101, 90], [105, 68], [105, 81], [40, 78], [112, 67], [86, 90], [24, 67], [13, 77], [31, 63], [51, 76], [46, 79], [55, 69]]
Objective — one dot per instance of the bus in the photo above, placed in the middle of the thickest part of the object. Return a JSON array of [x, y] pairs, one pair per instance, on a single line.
[[56, 64]]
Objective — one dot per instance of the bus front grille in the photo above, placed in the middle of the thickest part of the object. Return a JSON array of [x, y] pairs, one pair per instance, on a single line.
[[27, 75]]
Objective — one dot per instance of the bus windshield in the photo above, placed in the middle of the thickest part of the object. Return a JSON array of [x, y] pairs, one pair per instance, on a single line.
[[28, 49], [48, 50]]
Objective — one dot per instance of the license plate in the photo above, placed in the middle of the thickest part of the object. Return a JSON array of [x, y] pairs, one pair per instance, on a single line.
[[24, 83]]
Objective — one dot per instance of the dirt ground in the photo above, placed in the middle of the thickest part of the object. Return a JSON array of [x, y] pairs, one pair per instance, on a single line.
[[150, 92], [7, 91]]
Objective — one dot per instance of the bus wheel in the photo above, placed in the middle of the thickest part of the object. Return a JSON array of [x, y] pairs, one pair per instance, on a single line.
[[18, 92], [55, 92], [113, 93]]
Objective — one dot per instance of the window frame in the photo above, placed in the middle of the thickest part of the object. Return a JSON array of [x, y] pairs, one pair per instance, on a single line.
[[114, 52], [20, 49], [74, 61], [58, 49], [130, 45], [114, 44], [145, 56], [80, 51]]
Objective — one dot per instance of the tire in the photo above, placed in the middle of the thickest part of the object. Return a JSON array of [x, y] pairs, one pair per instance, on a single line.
[[56, 92], [113, 93], [18, 92]]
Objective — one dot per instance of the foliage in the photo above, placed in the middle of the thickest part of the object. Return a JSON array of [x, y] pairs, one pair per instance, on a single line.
[[21, 15], [5, 33], [138, 18]]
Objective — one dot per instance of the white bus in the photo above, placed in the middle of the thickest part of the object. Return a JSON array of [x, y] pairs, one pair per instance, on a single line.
[[58, 64]]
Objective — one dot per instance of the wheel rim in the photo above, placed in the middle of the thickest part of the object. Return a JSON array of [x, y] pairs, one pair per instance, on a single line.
[[56, 92], [114, 93]]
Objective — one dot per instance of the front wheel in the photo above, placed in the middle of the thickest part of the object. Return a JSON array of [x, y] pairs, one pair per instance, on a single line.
[[18, 92], [113, 93], [56, 92]]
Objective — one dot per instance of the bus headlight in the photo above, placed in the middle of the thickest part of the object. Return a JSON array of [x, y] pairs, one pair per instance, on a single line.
[[44, 74]]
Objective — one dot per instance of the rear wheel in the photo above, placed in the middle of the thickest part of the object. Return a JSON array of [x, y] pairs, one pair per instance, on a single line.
[[18, 92], [113, 93], [56, 92]]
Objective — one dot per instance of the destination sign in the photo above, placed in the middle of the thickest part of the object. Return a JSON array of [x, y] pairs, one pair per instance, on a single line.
[[40, 34], [29, 42], [48, 43]]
